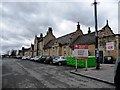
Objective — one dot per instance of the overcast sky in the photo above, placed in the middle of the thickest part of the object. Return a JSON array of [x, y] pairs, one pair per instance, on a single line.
[[21, 20]]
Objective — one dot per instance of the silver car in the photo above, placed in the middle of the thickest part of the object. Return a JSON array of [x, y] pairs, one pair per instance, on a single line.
[[59, 60], [36, 58], [25, 57]]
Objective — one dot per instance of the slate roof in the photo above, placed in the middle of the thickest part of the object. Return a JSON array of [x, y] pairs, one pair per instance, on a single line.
[[26, 49], [85, 39], [39, 39], [61, 40]]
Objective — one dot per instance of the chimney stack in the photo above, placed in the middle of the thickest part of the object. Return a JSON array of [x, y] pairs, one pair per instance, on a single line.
[[89, 31]]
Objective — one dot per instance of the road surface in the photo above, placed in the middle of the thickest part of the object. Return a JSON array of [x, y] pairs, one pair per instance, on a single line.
[[17, 73]]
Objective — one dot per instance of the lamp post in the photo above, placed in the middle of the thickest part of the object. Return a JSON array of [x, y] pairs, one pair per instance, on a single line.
[[70, 38], [96, 37]]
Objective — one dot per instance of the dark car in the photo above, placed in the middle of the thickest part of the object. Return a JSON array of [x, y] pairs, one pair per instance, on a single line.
[[42, 59], [49, 59], [108, 60], [117, 74]]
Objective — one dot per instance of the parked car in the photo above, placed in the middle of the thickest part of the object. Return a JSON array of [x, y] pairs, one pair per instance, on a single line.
[[49, 59], [59, 60], [25, 57], [108, 60], [28, 57], [42, 59], [36, 58], [32, 58], [18, 57]]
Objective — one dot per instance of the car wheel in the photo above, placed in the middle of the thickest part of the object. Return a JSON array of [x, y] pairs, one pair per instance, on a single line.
[[59, 63], [44, 62], [50, 62]]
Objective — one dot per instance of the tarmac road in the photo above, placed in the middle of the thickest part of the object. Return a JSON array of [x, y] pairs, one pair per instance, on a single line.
[[17, 73]]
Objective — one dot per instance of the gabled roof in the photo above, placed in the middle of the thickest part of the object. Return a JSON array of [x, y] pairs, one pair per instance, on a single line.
[[89, 38], [32, 46], [50, 43], [64, 39], [20, 51], [106, 26], [111, 35], [61, 40], [39, 39], [85, 39], [26, 49]]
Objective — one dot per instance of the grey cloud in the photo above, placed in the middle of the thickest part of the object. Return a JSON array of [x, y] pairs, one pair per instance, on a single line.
[[24, 20]]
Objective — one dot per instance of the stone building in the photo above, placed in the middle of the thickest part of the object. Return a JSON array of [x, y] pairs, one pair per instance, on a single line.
[[115, 39], [49, 45], [26, 51], [32, 50], [20, 53], [40, 42], [60, 46], [37, 49], [89, 38]]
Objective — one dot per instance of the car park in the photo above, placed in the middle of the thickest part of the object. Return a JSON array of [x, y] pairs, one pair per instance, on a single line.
[[60, 60]]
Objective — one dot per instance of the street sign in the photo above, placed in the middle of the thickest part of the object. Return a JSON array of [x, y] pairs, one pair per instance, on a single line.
[[110, 46], [81, 51]]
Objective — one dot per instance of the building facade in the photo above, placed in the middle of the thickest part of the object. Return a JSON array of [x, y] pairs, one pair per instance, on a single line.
[[115, 51], [49, 45], [61, 46]]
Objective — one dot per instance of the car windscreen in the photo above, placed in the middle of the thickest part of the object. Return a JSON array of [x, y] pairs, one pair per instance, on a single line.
[[43, 56], [56, 57]]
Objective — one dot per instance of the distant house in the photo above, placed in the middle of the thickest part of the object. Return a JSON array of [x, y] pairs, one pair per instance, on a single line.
[[31, 50], [20, 53], [40, 42], [25, 51]]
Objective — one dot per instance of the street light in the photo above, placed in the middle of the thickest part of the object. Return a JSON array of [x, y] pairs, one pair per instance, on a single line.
[[70, 38], [96, 37]]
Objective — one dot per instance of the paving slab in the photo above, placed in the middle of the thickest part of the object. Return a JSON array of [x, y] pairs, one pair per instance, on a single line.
[[105, 74]]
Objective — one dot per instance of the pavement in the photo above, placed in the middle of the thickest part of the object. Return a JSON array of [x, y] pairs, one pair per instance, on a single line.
[[104, 74]]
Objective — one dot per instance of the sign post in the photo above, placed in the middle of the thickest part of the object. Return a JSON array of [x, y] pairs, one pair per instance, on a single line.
[[76, 66], [81, 52], [86, 65]]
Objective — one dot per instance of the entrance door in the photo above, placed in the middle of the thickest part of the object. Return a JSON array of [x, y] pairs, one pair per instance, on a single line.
[[101, 57]]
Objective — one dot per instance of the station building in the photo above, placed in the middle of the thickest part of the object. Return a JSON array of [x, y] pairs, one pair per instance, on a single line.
[[49, 45]]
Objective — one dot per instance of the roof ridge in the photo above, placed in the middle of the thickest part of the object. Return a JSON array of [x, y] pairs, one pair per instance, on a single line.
[[65, 35]]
